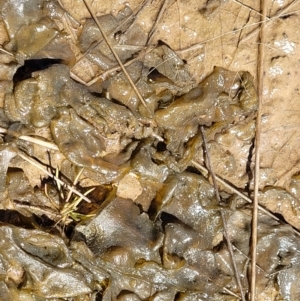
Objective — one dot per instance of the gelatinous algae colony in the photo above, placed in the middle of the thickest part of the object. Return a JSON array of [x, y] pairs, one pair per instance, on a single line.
[[142, 221]]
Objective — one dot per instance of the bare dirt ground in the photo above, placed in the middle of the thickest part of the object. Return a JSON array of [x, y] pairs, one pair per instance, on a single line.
[[154, 228]]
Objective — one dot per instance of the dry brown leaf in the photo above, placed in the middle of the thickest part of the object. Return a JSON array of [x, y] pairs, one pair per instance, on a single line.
[[280, 129]]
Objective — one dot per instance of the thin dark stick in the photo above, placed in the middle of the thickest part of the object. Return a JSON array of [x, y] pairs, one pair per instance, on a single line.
[[260, 75], [117, 57], [208, 163], [159, 17]]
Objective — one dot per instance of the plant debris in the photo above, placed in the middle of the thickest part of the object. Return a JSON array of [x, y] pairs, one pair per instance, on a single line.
[[100, 194]]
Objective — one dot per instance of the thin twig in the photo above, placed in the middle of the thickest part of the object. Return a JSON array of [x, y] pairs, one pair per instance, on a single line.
[[248, 7], [5, 51], [247, 257], [260, 70], [74, 184], [159, 17], [132, 16], [107, 72], [117, 57], [230, 250], [40, 167], [226, 185], [229, 292], [240, 194], [280, 13]]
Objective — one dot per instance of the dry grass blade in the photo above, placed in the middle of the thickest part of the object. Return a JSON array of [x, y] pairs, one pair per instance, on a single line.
[[69, 209], [229, 292], [33, 140], [5, 51], [58, 184], [58, 181], [74, 184], [39, 142], [260, 75], [236, 273], [117, 57]]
